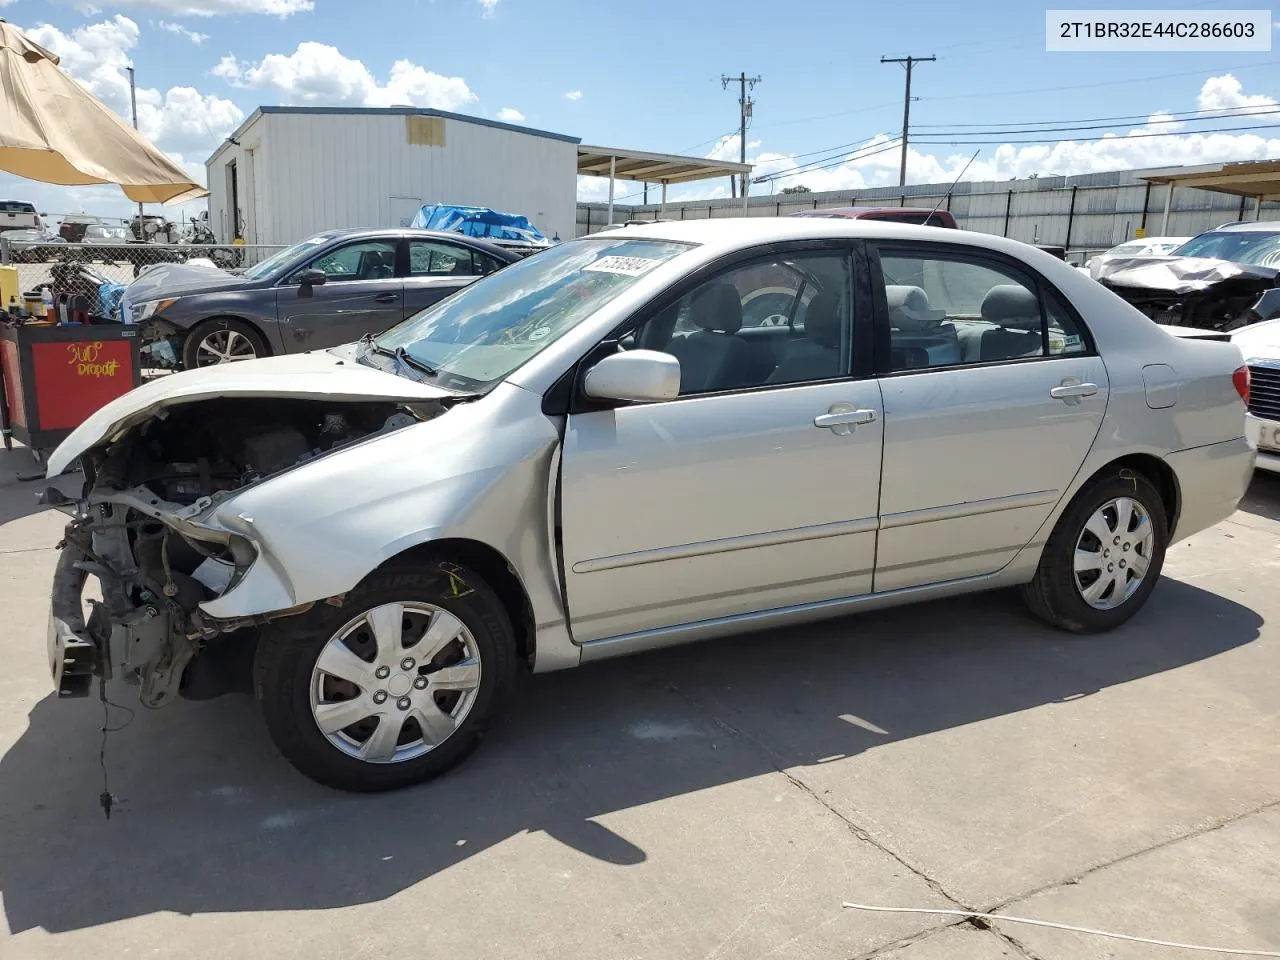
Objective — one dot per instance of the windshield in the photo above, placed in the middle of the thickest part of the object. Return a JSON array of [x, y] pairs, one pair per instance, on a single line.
[[486, 330], [286, 259], [1242, 246]]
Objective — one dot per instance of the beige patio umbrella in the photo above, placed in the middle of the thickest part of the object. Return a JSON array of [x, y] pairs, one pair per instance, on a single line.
[[54, 130]]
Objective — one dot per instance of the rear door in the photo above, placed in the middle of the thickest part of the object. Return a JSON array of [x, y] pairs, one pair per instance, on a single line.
[[437, 268], [993, 396], [361, 294]]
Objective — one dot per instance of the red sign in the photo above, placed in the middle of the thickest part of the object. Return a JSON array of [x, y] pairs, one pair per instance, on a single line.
[[75, 379]]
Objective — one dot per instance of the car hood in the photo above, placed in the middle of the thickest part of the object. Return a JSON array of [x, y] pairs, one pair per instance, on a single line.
[[320, 375], [1182, 275], [1260, 341], [180, 280]]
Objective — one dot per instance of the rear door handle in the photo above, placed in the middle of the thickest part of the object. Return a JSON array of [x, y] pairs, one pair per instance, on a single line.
[[1069, 390], [386, 298], [842, 418]]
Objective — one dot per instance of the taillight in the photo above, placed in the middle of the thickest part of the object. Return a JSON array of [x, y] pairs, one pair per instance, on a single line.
[[1240, 380]]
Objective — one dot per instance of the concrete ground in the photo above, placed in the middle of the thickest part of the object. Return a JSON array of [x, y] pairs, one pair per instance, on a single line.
[[717, 801]]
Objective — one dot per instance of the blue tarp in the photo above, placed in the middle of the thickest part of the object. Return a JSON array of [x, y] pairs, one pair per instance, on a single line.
[[479, 222]]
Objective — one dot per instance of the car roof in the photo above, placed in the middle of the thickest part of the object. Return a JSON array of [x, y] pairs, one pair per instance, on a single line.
[[409, 232], [1248, 226], [853, 212], [732, 233]]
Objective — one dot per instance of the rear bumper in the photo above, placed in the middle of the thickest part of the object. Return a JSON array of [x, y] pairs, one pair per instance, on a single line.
[[1211, 480], [1263, 434]]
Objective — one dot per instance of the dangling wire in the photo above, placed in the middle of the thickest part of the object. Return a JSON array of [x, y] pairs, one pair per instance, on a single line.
[[106, 799]]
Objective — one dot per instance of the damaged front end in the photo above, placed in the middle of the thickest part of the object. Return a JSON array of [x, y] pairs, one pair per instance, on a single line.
[[143, 528], [1197, 292]]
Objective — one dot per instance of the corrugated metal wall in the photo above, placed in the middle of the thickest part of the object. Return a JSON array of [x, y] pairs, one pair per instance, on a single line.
[[319, 171], [1097, 210]]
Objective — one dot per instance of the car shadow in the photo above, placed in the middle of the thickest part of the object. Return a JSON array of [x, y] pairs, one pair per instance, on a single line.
[[210, 819], [1262, 499]]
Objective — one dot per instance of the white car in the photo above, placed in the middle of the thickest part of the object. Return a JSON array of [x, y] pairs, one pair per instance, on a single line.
[[1146, 247], [648, 436], [1260, 344]]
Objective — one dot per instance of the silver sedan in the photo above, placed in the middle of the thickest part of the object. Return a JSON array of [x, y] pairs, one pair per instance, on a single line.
[[659, 434]]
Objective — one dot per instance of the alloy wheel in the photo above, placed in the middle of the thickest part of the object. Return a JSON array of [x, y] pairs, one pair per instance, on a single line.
[[224, 346]]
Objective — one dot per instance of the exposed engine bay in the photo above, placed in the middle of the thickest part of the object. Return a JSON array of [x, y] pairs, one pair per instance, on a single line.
[[1197, 292], [141, 529]]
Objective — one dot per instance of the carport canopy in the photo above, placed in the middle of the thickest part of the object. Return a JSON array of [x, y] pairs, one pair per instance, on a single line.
[[660, 168], [1259, 179]]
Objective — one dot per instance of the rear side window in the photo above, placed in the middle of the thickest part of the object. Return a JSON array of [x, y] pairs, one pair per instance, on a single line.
[[12, 206], [949, 310]]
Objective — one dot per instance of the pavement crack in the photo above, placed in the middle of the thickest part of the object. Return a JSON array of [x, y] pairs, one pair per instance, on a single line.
[[856, 829], [1133, 855]]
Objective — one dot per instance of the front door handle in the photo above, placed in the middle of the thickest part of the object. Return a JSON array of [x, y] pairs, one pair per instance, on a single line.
[[842, 418], [386, 298], [1071, 389]]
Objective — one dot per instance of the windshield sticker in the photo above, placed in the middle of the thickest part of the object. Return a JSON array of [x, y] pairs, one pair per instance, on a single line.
[[627, 266]]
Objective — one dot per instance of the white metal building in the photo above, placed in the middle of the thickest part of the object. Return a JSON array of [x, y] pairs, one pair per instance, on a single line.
[[288, 172]]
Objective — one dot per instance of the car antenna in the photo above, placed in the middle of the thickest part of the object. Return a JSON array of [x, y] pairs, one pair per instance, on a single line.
[[947, 195]]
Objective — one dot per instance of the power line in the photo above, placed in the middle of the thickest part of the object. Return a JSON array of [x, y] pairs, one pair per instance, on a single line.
[[1210, 113], [1118, 139], [906, 108], [1097, 126], [782, 174]]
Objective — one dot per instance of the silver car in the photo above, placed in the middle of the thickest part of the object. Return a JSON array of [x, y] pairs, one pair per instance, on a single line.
[[655, 435]]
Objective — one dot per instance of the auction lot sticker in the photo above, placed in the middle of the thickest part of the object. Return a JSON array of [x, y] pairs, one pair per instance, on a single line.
[[1157, 31], [628, 266]]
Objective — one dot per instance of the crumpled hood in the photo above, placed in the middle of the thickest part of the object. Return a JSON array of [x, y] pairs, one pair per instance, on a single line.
[[180, 280], [320, 375], [1182, 275]]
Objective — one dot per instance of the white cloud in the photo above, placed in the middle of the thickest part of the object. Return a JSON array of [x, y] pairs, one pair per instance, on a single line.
[[510, 115], [726, 148], [211, 8], [573, 95], [179, 120], [1227, 93], [177, 28], [317, 73], [488, 8]]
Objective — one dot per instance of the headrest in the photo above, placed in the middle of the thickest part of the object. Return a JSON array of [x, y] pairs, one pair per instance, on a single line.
[[718, 307], [822, 320], [1011, 301], [908, 307]]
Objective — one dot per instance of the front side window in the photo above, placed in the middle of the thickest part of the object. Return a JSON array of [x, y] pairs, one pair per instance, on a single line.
[[783, 320], [486, 330], [430, 258], [949, 310], [367, 260]]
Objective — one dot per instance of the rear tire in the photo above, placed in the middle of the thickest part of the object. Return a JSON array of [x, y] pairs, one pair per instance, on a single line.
[[454, 690], [1104, 556], [221, 340]]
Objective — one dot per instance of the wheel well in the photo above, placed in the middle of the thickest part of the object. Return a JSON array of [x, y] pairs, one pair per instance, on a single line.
[[497, 572], [1162, 478]]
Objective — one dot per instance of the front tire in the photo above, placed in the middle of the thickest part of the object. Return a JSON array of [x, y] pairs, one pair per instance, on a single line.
[[394, 687], [1104, 556], [221, 340]]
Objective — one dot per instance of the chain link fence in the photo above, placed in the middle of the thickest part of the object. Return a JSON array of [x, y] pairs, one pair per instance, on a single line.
[[100, 272]]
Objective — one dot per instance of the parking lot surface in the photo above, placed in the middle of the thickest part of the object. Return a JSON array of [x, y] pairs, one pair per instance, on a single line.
[[716, 801]]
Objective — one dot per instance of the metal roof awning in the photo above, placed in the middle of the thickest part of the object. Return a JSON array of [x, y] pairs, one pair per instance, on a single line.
[[653, 167], [663, 168], [1258, 179]]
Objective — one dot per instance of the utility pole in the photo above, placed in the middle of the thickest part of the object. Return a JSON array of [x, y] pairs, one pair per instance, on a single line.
[[133, 103], [906, 108], [744, 83]]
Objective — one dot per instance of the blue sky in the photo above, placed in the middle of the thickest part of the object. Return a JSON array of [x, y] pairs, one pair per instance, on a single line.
[[648, 78]]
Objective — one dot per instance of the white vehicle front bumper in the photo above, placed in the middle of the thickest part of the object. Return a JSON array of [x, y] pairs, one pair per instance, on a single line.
[[1265, 435]]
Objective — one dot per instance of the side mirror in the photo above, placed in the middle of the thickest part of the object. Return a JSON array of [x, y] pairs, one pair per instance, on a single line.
[[644, 376], [310, 277]]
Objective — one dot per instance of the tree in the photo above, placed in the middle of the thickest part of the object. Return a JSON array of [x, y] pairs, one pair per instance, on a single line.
[[798, 188]]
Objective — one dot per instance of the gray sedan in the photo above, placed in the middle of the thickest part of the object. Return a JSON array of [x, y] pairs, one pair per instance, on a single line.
[[330, 289], [645, 437]]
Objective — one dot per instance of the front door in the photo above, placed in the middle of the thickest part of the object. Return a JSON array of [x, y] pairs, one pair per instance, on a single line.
[[361, 294], [992, 399], [757, 488]]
